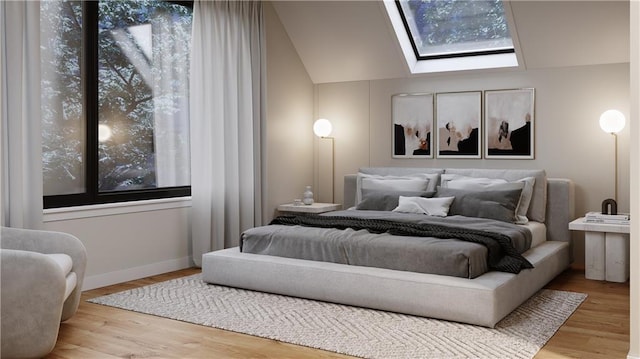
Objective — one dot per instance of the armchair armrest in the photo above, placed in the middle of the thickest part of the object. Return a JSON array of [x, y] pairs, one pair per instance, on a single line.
[[33, 289], [49, 242]]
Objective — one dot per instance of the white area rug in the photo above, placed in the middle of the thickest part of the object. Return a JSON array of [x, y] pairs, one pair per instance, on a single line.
[[350, 330]]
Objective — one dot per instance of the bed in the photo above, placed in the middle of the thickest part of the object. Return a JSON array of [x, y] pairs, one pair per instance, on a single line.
[[475, 294]]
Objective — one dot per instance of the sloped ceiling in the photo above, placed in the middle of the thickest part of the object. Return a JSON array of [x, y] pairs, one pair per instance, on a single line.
[[572, 33], [353, 40]]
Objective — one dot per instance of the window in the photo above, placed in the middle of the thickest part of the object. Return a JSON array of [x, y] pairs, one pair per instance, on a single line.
[[455, 28], [115, 101]]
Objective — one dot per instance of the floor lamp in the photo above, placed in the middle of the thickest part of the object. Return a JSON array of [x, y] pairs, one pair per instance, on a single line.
[[322, 128], [612, 121]]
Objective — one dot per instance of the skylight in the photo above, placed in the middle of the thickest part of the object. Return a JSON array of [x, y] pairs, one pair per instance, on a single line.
[[451, 35], [453, 28]]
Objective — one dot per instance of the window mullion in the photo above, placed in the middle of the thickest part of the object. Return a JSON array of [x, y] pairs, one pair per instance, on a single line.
[[91, 102]]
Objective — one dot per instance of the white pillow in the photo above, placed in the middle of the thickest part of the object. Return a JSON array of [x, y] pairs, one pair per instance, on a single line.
[[430, 206], [525, 199], [495, 184], [446, 178], [414, 182]]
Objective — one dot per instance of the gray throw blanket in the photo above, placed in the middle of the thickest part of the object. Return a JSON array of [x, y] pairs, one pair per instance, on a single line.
[[502, 256]]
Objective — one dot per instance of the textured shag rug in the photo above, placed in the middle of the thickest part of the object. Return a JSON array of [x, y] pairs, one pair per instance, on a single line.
[[350, 330]]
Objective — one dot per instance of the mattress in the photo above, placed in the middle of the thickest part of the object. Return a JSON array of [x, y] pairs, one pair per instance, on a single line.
[[538, 232], [443, 256]]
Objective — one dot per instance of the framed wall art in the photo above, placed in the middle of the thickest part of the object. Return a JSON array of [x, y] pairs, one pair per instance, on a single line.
[[509, 123], [458, 122], [412, 124]]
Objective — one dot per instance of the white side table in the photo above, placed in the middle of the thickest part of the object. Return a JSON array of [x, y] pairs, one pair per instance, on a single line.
[[314, 208], [606, 250]]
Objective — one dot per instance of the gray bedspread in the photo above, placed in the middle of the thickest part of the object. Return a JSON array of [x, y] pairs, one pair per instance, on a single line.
[[445, 256]]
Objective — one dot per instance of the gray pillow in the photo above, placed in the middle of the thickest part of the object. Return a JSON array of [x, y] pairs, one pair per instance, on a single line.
[[538, 205], [375, 200], [498, 205]]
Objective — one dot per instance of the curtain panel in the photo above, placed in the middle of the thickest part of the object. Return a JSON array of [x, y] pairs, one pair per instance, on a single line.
[[227, 106], [20, 115]]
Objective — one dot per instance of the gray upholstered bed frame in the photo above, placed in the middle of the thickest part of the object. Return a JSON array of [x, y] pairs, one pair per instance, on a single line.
[[484, 300]]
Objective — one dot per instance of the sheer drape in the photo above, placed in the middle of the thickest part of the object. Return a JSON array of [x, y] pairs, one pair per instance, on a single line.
[[21, 161], [170, 90], [226, 110]]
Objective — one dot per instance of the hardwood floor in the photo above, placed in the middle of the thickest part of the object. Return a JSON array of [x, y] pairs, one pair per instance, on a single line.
[[598, 329]]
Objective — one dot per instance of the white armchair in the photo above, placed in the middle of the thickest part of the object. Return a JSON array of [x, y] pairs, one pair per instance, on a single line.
[[40, 284]]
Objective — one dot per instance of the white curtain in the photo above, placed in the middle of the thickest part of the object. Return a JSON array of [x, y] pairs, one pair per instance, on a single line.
[[227, 82], [21, 137], [170, 89]]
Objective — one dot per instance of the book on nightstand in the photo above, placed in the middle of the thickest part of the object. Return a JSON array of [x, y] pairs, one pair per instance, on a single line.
[[597, 217]]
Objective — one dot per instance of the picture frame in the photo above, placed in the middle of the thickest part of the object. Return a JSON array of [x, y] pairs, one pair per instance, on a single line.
[[458, 124], [412, 124], [509, 129]]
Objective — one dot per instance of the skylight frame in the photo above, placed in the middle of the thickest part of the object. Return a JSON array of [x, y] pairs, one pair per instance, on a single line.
[[452, 54]]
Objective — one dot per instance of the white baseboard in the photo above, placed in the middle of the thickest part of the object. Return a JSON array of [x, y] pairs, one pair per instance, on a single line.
[[632, 357], [125, 275]]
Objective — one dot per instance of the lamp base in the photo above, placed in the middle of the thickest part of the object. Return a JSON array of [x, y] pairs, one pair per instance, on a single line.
[[609, 206]]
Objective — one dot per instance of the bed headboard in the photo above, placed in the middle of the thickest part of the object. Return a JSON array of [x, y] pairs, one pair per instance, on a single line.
[[559, 202]]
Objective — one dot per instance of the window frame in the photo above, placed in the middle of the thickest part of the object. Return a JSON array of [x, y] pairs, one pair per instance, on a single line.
[[420, 57], [92, 195]]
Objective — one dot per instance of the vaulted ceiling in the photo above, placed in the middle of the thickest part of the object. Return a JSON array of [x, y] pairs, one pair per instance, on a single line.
[[354, 40]]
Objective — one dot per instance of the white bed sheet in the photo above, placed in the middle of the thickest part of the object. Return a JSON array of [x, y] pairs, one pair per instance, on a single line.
[[538, 232]]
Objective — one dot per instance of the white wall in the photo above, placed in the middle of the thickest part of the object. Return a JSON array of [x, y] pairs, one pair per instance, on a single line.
[[634, 335], [128, 243], [1, 145], [568, 140], [290, 96], [346, 105]]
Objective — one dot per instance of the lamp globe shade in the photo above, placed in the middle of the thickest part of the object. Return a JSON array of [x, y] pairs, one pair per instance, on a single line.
[[612, 121], [322, 127]]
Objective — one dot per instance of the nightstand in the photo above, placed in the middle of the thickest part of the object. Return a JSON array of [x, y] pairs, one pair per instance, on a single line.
[[310, 209], [606, 250]]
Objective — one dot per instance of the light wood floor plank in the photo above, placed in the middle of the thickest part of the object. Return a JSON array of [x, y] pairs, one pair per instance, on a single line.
[[598, 329]]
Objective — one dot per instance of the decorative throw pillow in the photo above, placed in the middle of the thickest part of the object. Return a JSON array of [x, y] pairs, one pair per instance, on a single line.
[[430, 206], [375, 200], [415, 182], [495, 184], [498, 205], [446, 178], [525, 199]]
